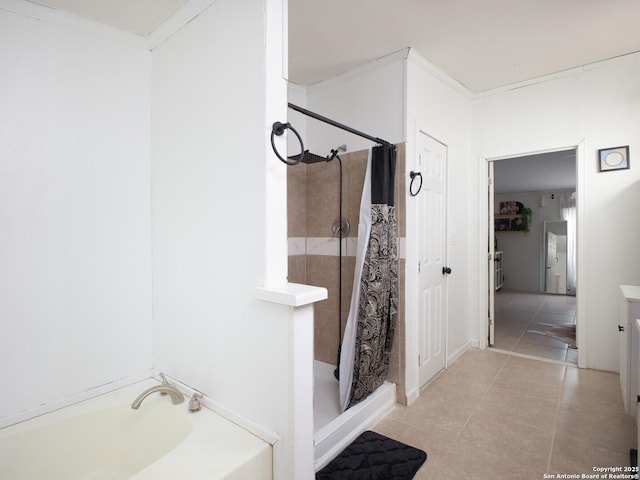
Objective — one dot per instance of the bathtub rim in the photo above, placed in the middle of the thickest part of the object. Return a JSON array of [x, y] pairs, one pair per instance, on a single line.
[[266, 435], [75, 398]]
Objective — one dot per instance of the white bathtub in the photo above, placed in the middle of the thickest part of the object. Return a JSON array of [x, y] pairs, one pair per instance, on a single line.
[[104, 439]]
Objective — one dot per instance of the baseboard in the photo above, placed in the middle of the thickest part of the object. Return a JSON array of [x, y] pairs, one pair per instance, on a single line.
[[412, 396], [451, 359]]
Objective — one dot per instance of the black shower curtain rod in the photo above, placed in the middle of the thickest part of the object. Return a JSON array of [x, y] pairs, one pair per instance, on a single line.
[[341, 126]]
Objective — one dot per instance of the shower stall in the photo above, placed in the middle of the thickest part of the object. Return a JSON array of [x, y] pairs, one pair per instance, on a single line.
[[323, 213]]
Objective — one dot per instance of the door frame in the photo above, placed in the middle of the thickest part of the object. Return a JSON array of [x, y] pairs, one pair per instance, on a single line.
[[483, 250]]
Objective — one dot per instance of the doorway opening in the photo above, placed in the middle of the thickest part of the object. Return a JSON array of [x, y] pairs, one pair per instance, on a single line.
[[532, 267]]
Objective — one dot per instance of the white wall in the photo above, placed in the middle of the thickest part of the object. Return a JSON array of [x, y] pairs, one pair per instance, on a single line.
[[75, 244], [441, 108], [594, 107], [521, 250], [524, 252], [213, 173], [298, 96], [369, 99]]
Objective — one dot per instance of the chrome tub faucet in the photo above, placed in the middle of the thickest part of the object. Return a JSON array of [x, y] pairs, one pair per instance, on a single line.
[[164, 388]]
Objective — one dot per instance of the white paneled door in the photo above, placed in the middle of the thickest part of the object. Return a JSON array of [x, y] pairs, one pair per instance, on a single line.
[[433, 269]]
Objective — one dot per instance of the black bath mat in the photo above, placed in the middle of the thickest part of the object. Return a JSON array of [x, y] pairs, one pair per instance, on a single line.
[[372, 456]]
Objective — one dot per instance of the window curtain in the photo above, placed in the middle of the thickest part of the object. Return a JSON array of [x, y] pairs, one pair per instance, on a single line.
[[568, 211], [368, 337]]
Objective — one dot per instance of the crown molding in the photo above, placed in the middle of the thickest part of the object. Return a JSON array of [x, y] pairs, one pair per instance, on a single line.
[[394, 57], [177, 21], [440, 74]]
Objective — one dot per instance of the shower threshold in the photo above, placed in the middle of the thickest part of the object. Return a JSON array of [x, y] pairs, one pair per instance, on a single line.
[[334, 431]]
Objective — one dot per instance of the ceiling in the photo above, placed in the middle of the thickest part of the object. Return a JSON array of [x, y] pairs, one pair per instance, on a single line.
[[482, 44], [136, 16], [544, 172]]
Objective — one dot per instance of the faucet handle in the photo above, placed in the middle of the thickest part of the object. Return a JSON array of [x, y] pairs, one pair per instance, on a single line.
[[194, 403]]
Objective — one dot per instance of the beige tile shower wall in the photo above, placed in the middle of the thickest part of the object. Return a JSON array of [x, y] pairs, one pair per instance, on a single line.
[[297, 218], [297, 200], [313, 206]]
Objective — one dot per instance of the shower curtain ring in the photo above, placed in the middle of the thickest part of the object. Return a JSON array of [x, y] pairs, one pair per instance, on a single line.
[[413, 176], [278, 129]]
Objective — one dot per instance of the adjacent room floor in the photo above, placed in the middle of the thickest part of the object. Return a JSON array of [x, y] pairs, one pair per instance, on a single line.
[[497, 416], [536, 324]]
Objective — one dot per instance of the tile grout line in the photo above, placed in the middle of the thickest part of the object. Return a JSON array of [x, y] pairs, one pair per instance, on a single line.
[[555, 422], [477, 405], [558, 405]]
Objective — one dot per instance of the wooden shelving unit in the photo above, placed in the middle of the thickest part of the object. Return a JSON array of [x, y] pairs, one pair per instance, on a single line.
[[506, 223]]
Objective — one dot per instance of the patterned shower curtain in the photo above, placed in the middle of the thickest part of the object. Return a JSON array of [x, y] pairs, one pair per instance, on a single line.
[[368, 336]]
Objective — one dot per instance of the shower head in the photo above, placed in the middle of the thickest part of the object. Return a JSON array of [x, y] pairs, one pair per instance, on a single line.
[[308, 157]]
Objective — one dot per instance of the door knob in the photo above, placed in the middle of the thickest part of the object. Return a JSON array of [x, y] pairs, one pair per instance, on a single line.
[[620, 328], [446, 270]]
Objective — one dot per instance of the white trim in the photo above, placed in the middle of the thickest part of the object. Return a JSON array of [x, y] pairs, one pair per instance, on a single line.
[[458, 353], [581, 240], [552, 76], [297, 89], [331, 439], [375, 64], [412, 371], [412, 395], [292, 294], [581, 254], [483, 246], [259, 431], [73, 22]]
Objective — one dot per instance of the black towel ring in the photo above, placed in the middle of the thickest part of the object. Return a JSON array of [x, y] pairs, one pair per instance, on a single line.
[[413, 176], [278, 129]]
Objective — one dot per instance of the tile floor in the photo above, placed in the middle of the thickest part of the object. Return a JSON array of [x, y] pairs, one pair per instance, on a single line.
[[498, 416], [518, 314]]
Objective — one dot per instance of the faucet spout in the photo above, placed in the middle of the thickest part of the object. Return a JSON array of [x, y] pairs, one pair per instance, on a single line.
[[164, 388]]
